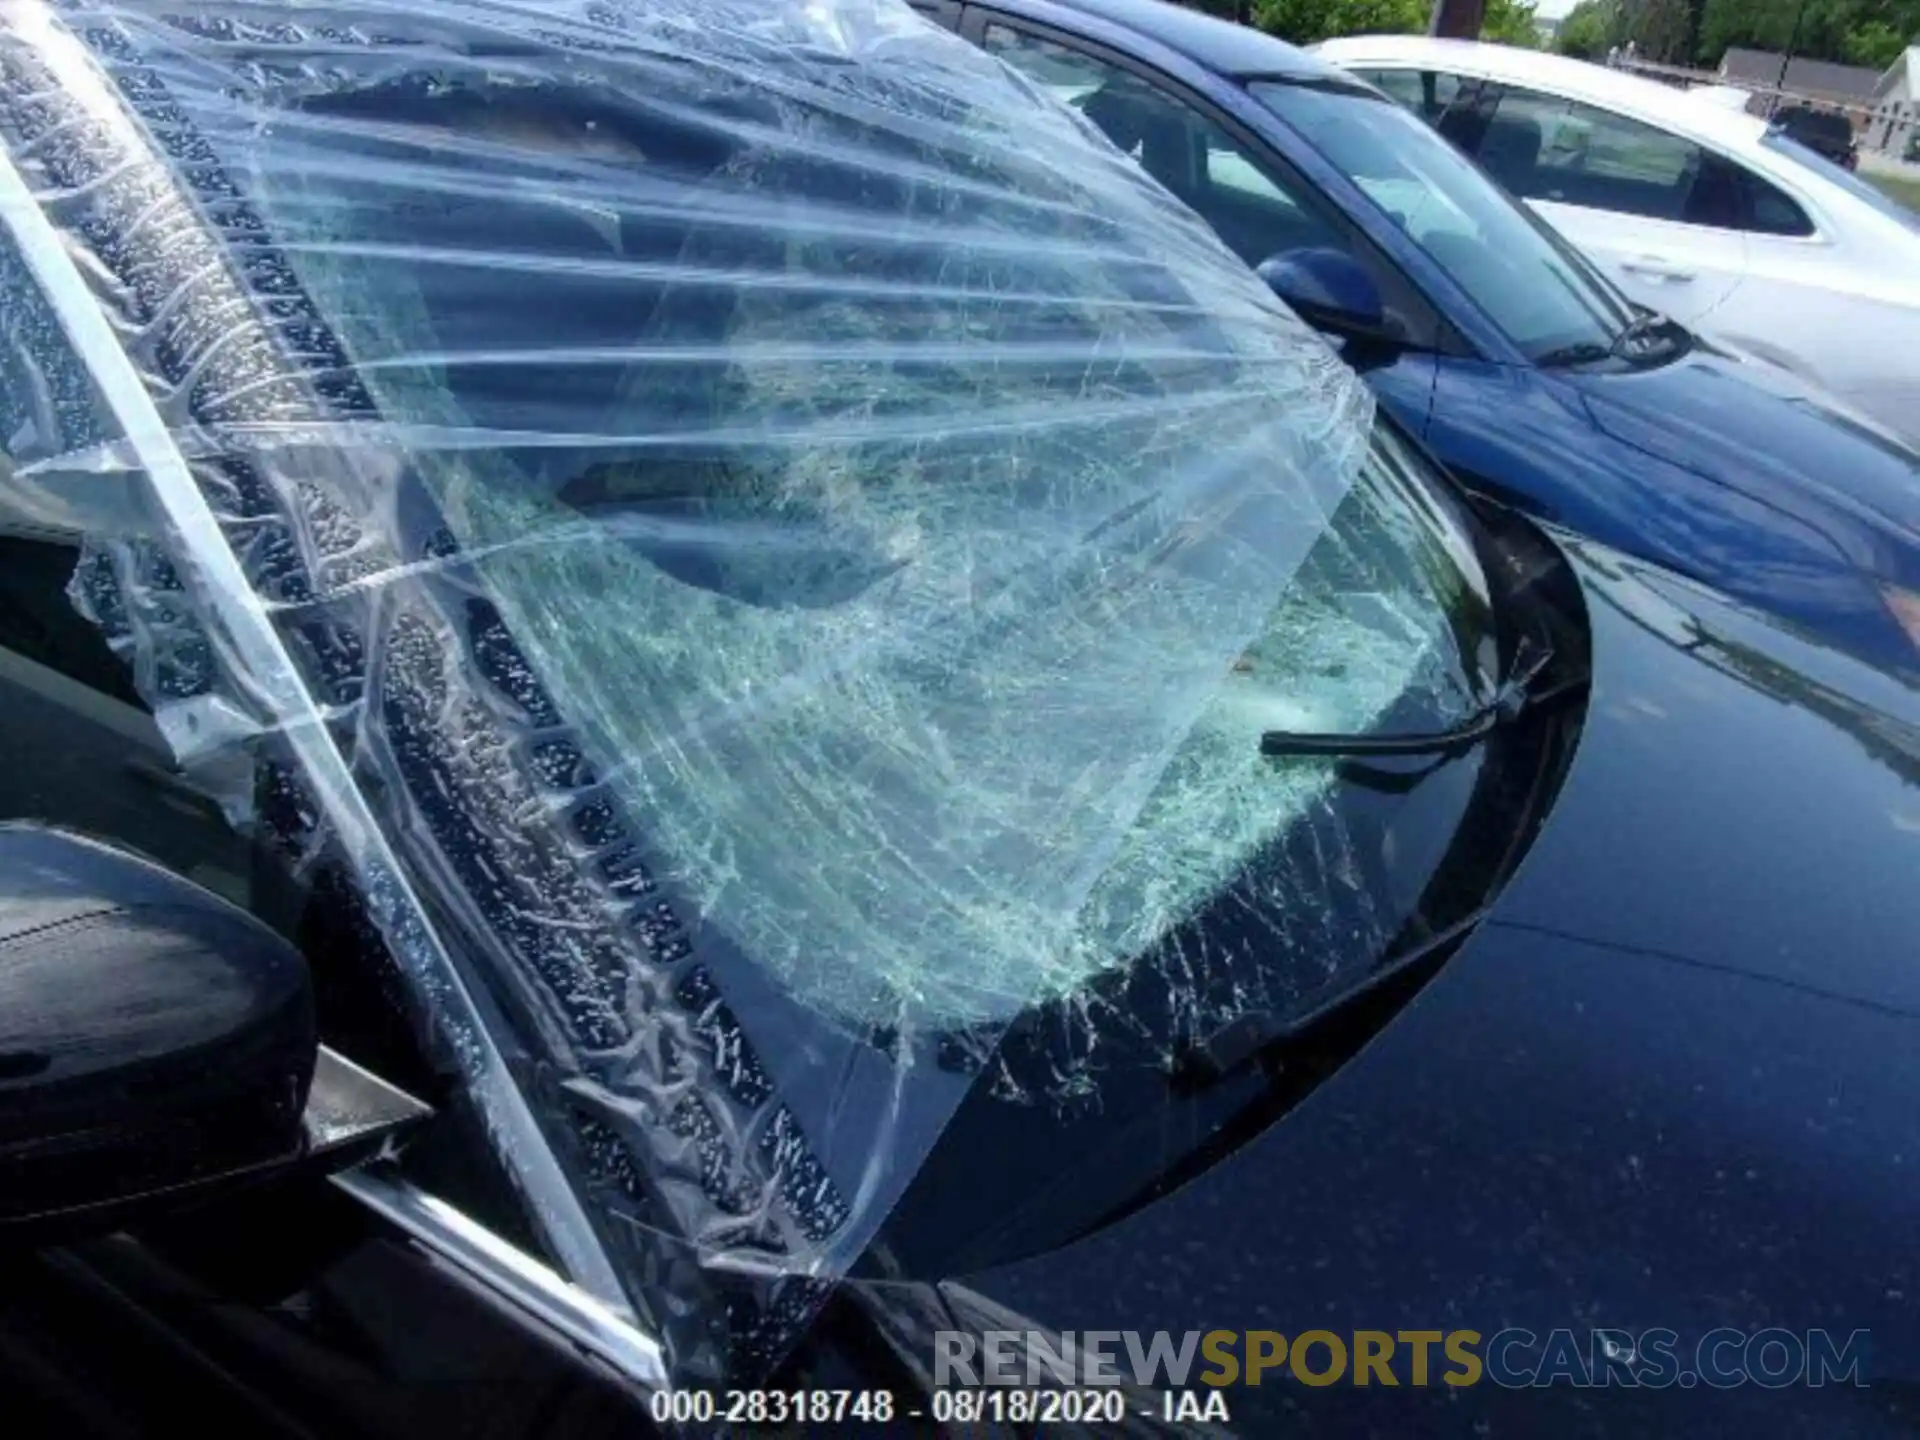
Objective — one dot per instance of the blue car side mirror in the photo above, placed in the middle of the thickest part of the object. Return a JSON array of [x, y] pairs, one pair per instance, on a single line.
[[1330, 290]]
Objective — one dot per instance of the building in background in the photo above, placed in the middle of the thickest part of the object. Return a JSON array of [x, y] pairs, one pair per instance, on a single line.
[[1895, 128], [1816, 81]]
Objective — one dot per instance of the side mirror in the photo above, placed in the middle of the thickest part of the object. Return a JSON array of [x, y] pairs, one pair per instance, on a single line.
[[1330, 290], [156, 1042]]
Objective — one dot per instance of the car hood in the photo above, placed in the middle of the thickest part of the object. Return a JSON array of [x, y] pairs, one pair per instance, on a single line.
[[1668, 1083], [1758, 430]]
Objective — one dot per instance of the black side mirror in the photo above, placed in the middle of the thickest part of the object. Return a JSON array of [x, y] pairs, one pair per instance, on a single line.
[[155, 1040], [1331, 291]]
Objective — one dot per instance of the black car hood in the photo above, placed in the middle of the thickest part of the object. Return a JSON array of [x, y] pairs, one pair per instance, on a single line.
[[1752, 427], [1671, 1082]]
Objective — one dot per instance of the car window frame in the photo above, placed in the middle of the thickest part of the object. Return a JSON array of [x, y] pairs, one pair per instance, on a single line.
[[1498, 88], [1436, 334]]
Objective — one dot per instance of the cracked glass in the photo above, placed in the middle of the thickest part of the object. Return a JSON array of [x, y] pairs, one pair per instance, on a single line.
[[763, 540]]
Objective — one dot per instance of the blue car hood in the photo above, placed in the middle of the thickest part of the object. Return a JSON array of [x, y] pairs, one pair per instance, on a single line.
[[1750, 426], [1669, 1083]]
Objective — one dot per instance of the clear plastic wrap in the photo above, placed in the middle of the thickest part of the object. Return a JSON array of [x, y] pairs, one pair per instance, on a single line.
[[735, 515]]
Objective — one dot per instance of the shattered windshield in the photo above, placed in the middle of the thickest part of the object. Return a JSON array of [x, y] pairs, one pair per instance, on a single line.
[[789, 540]]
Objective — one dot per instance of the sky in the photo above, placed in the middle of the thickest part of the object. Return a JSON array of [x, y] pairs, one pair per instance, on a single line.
[[1553, 9]]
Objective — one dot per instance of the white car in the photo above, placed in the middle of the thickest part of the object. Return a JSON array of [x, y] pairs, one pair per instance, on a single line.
[[1696, 210], [1727, 97]]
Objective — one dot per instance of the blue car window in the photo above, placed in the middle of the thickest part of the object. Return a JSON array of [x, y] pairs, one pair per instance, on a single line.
[[1255, 207], [1522, 276]]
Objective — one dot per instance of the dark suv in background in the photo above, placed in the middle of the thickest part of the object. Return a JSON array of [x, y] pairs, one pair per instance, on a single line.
[[1829, 132]]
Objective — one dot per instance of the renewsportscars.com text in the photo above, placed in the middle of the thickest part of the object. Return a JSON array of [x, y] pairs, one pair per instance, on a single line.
[[1513, 1358]]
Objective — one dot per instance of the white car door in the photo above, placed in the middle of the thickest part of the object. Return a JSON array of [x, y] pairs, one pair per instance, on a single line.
[[1823, 308], [1680, 270], [1642, 203]]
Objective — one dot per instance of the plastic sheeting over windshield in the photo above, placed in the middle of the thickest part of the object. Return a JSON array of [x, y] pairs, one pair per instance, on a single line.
[[746, 525]]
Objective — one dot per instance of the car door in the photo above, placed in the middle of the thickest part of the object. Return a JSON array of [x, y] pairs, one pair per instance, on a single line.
[[1253, 200], [1656, 211], [1653, 208]]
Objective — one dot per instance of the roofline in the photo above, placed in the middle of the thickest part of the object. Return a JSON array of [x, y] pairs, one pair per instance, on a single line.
[[1582, 80]]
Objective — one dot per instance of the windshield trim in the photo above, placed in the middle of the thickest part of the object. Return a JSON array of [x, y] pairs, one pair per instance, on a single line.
[[527, 1285]]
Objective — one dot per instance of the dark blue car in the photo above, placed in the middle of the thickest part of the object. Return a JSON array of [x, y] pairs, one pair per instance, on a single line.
[[1525, 372]]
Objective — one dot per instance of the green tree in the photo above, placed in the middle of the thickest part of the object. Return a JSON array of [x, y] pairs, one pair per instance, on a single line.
[[1657, 28], [1511, 22], [1305, 22], [1856, 32], [1590, 30]]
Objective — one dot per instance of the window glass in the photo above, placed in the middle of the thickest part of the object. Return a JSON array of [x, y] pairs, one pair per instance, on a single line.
[[1250, 204], [1547, 148], [1511, 265], [1405, 86], [1728, 196], [1833, 174], [1190, 155], [1433, 95], [1769, 209], [941, 12], [1458, 106]]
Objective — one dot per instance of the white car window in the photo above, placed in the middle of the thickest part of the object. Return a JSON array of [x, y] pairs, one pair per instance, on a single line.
[[1593, 157], [1547, 147]]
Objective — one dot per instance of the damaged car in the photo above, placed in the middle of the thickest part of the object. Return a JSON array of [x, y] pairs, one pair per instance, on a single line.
[[700, 707]]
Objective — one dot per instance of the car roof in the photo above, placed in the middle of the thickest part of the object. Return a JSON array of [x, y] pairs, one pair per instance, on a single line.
[[1215, 44], [1559, 75]]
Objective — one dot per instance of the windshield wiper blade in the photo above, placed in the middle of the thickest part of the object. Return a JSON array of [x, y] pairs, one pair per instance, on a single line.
[[1586, 352], [1515, 695], [1632, 343], [1645, 326]]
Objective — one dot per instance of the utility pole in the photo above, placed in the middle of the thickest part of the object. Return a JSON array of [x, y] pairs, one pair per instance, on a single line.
[[1457, 19], [1690, 42], [1793, 42]]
